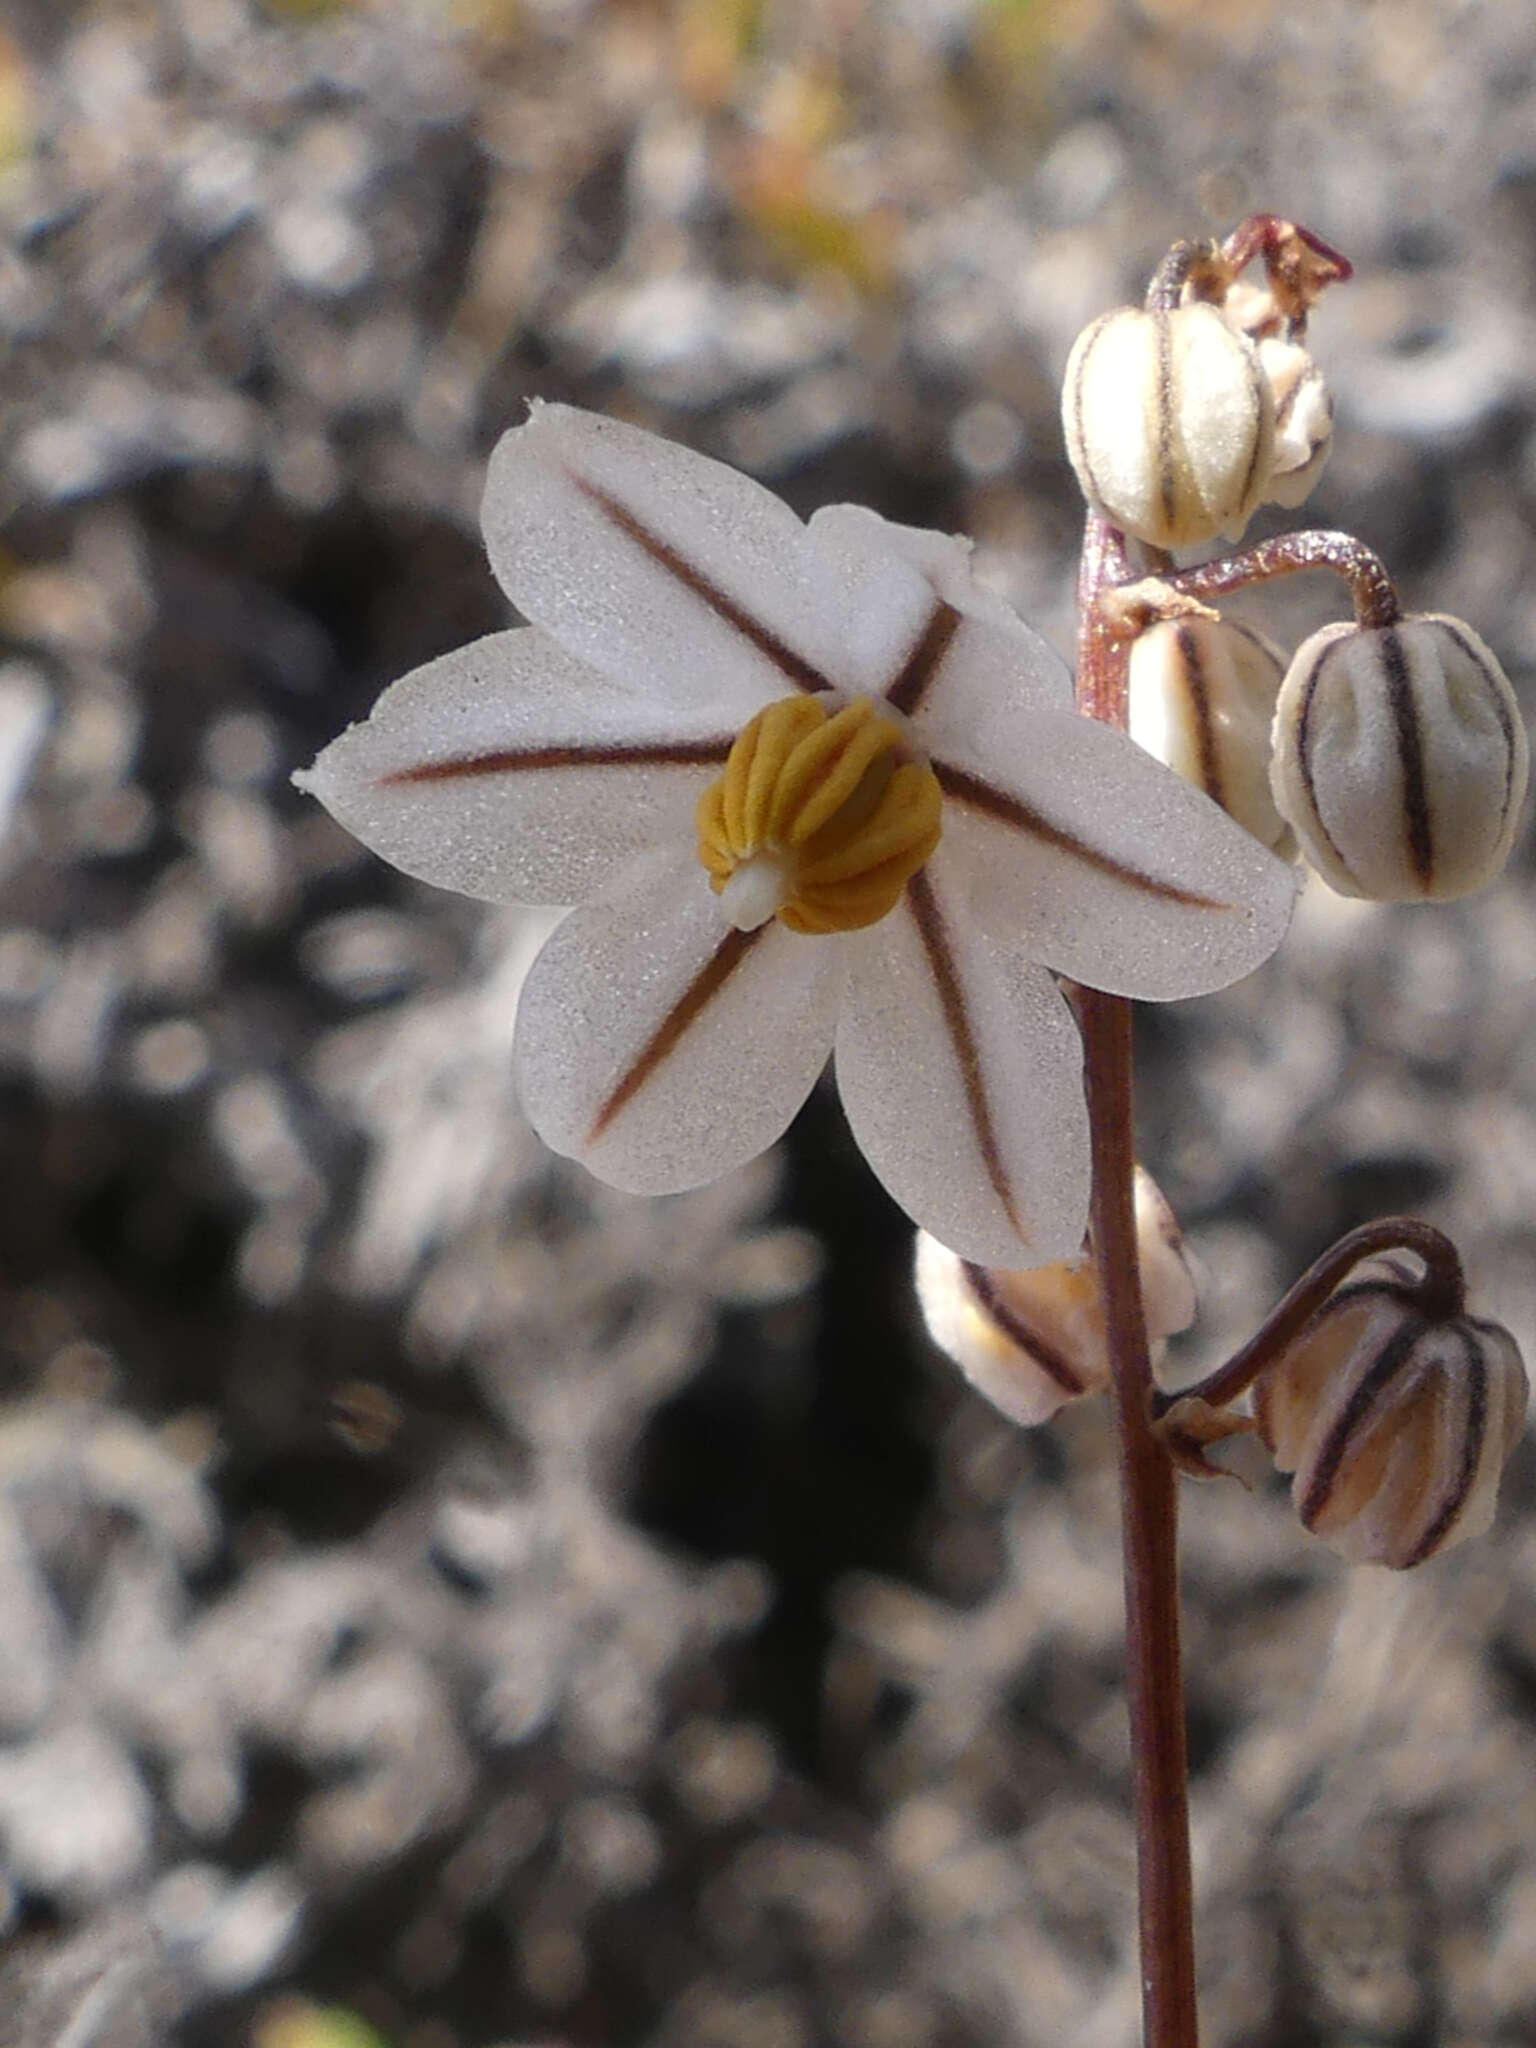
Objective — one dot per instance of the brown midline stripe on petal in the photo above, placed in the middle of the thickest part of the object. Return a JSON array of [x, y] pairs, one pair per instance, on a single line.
[[1410, 749], [1471, 1452], [1200, 700], [1284, 407], [925, 660], [970, 789], [794, 667], [708, 753], [1013, 1325], [934, 934], [1394, 1355], [670, 1032]]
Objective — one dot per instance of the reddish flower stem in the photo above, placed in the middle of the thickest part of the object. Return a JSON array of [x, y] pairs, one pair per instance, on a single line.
[[1374, 594], [1442, 1293], [1149, 1508]]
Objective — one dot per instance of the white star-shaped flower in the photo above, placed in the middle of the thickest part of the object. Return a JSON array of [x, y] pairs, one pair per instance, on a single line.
[[812, 791]]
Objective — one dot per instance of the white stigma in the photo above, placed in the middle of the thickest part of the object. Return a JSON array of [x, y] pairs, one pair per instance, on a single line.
[[755, 891]]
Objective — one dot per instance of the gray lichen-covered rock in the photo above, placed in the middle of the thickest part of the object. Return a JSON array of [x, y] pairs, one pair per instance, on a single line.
[[436, 1588]]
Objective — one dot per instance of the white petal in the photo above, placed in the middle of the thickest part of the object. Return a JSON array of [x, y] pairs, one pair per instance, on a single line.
[[450, 777], [671, 573], [919, 627], [1003, 1327], [661, 1046], [961, 1071], [1105, 865]]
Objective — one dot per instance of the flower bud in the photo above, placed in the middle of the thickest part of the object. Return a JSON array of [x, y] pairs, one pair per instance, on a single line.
[[1303, 421], [1032, 1338], [1395, 1424], [1202, 699], [1400, 758], [1170, 423]]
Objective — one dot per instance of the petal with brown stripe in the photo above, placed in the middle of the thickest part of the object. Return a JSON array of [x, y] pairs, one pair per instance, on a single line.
[[667, 571], [661, 1046], [960, 1069], [1062, 834], [509, 770], [925, 635]]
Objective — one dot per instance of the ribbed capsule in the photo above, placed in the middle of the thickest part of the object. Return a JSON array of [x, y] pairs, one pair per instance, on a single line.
[[1400, 759], [1032, 1339], [1202, 699], [1170, 423], [1394, 1425]]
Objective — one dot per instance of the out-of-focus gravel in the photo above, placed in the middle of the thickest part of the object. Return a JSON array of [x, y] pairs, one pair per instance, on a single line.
[[436, 1592]]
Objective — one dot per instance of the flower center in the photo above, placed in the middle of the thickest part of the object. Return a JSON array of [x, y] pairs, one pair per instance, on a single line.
[[817, 819]]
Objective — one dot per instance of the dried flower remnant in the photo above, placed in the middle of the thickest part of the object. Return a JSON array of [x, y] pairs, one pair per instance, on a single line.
[[1273, 316], [1299, 266], [1395, 1418], [1400, 758], [1033, 1339], [812, 788], [1303, 407], [1202, 698]]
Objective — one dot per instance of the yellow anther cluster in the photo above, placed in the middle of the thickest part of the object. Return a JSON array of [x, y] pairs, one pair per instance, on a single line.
[[821, 804]]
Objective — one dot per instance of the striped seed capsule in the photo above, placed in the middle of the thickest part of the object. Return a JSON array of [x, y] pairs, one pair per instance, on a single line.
[[1032, 1339], [1394, 1424], [1400, 759], [1170, 423], [1202, 700]]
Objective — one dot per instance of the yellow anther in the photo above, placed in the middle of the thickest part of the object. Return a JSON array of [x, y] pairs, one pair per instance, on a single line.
[[817, 819]]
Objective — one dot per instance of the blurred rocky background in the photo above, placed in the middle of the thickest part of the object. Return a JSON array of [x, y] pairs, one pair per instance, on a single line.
[[444, 1603]]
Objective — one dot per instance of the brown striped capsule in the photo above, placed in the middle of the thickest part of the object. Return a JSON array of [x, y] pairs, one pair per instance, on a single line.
[[1032, 1339], [1170, 423], [1202, 699], [1395, 1424], [1400, 758]]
